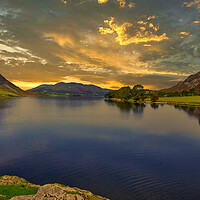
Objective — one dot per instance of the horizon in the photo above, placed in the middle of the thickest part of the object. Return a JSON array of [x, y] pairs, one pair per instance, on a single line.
[[107, 43]]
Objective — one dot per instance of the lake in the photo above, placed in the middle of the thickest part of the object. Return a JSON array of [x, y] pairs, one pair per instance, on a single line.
[[120, 151]]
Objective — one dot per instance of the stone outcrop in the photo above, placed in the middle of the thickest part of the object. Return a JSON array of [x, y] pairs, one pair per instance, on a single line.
[[9, 180], [50, 191]]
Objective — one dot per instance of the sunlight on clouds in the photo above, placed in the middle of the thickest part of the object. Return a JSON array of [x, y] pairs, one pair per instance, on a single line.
[[102, 1], [184, 33], [28, 85], [143, 31], [69, 79], [112, 84], [195, 3], [64, 1], [25, 55], [131, 5], [122, 3], [196, 22], [61, 39]]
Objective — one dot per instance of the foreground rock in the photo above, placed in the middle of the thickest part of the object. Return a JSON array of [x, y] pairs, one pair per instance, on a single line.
[[50, 191], [10, 180]]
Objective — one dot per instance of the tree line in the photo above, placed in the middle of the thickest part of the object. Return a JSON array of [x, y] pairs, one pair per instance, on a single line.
[[138, 93]]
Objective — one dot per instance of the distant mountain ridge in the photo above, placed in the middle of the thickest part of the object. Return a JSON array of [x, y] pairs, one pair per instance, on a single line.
[[70, 88], [192, 82]]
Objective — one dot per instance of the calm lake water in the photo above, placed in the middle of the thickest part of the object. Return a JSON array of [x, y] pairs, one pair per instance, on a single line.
[[120, 151]]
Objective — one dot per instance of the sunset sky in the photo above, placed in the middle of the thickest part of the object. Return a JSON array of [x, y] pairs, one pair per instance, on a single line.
[[109, 43]]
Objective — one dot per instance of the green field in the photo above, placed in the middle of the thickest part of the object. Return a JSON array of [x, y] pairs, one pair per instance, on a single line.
[[187, 100]]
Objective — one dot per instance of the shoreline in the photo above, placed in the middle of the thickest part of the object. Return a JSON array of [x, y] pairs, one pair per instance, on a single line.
[[176, 103], [15, 188]]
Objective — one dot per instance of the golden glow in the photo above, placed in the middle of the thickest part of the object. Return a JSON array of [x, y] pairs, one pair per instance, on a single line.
[[61, 39], [122, 3], [131, 5], [102, 1], [193, 3], [142, 34], [184, 33], [196, 22], [28, 85], [64, 1]]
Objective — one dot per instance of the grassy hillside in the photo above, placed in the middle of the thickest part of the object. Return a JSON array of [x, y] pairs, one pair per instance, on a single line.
[[4, 93]]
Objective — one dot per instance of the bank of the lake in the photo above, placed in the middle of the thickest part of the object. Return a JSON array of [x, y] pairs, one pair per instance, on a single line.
[[15, 188], [186, 100]]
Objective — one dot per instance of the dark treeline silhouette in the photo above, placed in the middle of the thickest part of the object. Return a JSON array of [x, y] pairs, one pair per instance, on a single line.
[[139, 94]]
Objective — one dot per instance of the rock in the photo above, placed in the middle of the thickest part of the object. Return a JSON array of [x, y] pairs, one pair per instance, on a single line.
[[56, 191], [25, 197], [50, 191], [9, 180]]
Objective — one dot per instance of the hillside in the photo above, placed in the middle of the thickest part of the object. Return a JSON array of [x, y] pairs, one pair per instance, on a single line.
[[9, 89], [69, 88], [192, 82]]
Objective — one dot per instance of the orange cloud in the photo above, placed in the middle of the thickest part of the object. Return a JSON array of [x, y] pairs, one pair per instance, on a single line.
[[184, 33], [195, 3], [122, 3], [196, 22], [102, 1], [142, 35], [61, 39]]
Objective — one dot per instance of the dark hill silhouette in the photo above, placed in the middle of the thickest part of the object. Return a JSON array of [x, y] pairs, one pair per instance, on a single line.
[[70, 88]]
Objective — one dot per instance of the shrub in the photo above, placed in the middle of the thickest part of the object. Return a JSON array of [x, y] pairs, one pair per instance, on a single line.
[[154, 98]]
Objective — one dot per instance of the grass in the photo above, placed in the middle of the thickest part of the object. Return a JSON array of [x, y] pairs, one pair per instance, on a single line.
[[9, 191], [4, 93], [187, 100]]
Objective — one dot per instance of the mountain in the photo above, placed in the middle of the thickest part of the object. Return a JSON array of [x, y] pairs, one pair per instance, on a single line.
[[9, 89], [70, 88], [192, 82]]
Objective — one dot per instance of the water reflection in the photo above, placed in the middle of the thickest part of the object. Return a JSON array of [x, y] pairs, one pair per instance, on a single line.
[[69, 101], [190, 110], [155, 105], [102, 146], [136, 108], [5, 102]]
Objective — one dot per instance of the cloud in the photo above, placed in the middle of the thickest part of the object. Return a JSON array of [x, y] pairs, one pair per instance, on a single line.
[[127, 33], [184, 33], [16, 53], [195, 3], [122, 3], [139, 44], [196, 22], [102, 1]]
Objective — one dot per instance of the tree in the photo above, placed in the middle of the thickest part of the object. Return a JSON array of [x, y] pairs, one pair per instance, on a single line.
[[124, 93], [138, 87]]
